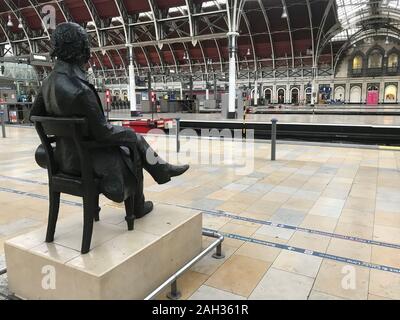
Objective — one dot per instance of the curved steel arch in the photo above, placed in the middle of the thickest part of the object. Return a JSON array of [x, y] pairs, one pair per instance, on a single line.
[[321, 28], [267, 22], [150, 36], [123, 13], [173, 57], [361, 35], [65, 12], [246, 20], [152, 6], [311, 28], [184, 46], [100, 63], [34, 5], [12, 8], [289, 30], [95, 18], [189, 5], [206, 19], [337, 29], [112, 63], [6, 33]]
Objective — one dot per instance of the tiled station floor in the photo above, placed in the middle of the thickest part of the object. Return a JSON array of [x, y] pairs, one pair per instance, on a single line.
[[321, 222], [365, 119]]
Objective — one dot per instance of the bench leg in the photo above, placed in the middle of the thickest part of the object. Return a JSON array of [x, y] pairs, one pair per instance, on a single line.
[[89, 209], [129, 210], [97, 211], [54, 206]]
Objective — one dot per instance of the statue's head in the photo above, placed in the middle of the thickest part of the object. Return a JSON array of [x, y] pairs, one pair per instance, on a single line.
[[70, 43]]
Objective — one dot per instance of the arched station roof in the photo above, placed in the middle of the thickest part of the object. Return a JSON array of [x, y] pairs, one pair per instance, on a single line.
[[191, 35]]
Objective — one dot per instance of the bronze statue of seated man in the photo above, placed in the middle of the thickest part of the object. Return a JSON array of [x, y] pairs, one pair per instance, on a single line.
[[67, 93]]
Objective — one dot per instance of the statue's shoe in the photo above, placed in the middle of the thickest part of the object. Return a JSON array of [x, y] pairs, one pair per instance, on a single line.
[[177, 170], [147, 208]]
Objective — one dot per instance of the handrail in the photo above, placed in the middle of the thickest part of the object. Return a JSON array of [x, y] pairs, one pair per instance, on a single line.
[[174, 294], [3, 271]]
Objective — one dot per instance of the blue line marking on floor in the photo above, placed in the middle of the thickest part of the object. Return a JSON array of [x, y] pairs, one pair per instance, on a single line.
[[220, 213], [294, 228], [24, 180], [39, 196], [248, 239], [309, 252]]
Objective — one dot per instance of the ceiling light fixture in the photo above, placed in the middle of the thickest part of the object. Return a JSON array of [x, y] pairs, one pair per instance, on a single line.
[[10, 23], [284, 13], [20, 26]]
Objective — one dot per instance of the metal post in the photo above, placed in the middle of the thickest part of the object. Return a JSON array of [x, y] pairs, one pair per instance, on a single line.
[[218, 252], [178, 128], [174, 294], [215, 87], [255, 93], [232, 37], [3, 122], [273, 139], [108, 111], [132, 84], [151, 104]]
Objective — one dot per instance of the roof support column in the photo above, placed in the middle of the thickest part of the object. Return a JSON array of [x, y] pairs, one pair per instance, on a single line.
[[132, 84], [314, 91], [232, 37], [256, 91]]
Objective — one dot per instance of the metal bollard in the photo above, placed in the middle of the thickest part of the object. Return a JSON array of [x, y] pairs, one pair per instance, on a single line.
[[218, 252], [273, 139], [3, 123], [174, 294], [178, 128]]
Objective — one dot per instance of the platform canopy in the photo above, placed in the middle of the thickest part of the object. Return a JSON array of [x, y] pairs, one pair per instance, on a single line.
[[190, 36]]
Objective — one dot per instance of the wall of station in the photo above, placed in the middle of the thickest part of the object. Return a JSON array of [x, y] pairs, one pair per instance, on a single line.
[[369, 73], [366, 74]]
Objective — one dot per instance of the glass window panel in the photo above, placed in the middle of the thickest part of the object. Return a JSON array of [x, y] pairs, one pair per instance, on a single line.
[[375, 60], [393, 60], [357, 62]]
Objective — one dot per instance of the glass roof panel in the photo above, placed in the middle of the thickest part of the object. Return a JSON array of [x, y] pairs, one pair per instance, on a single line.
[[351, 12]]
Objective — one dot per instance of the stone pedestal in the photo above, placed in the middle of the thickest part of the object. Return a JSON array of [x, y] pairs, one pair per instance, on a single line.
[[121, 264]]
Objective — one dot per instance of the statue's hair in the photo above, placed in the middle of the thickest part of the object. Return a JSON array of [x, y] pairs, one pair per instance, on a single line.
[[70, 43]]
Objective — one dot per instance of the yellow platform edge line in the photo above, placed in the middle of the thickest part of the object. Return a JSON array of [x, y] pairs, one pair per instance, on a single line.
[[389, 148]]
